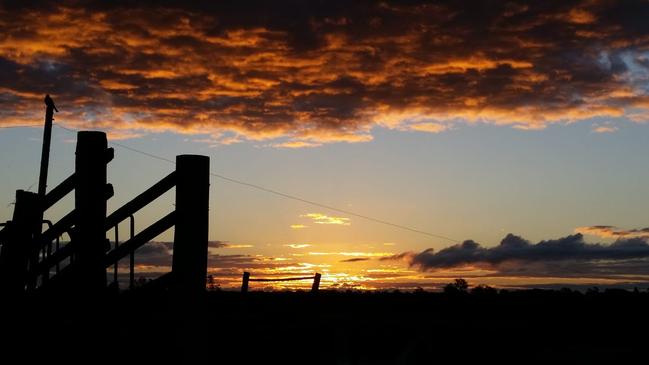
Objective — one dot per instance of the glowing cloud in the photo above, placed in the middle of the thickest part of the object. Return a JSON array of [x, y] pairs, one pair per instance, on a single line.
[[613, 232], [319, 218], [239, 246], [604, 128], [353, 254], [234, 72], [298, 245]]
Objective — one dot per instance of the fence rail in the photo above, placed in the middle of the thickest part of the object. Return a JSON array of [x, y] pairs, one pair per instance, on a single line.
[[314, 288]]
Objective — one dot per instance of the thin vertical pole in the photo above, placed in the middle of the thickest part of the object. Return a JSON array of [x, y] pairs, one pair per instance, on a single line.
[[50, 108], [131, 257], [244, 282], [47, 137], [115, 269], [58, 262], [131, 270], [316, 283], [189, 263]]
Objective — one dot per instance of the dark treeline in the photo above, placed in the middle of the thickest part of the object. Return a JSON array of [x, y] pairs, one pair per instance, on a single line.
[[460, 324]]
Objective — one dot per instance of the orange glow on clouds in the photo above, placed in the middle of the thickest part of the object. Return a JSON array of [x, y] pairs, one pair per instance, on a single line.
[[319, 218], [232, 75]]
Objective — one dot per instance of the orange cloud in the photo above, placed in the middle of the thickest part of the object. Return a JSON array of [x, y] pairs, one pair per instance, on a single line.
[[319, 218], [604, 129], [613, 232], [298, 245], [231, 74]]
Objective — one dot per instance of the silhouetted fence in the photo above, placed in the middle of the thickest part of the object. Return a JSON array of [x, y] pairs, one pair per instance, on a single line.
[[314, 288], [30, 260]]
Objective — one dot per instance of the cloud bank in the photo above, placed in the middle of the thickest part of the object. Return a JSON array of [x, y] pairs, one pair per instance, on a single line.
[[569, 256], [303, 74]]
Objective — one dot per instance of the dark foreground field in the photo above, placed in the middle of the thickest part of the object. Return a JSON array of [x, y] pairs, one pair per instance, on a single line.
[[530, 327]]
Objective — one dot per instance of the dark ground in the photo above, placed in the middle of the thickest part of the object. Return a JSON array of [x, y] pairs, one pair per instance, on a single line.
[[526, 327]]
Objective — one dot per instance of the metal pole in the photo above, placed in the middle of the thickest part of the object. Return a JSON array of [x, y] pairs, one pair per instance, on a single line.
[[131, 257], [47, 137], [115, 269]]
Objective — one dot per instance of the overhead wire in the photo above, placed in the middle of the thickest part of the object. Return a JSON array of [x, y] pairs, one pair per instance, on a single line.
[[285, 195]]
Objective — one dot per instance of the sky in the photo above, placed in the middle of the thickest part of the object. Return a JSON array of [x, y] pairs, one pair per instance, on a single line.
[[514, 135]]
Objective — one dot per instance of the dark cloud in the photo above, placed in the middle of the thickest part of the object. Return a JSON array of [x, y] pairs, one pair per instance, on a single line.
[[307, 73], [160, 254], [216, 244], [569, 256], [356, 259], [396, 257], [154, 254]]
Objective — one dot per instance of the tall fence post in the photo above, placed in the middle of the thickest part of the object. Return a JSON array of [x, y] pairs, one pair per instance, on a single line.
[[245, 281], [189, 263], [316, 283], [90, 209], [18, 250]]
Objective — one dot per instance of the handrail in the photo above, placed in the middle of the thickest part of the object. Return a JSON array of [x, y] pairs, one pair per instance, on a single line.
[[116, 254], [141, 200], [59, 192], [132, 259], [140, 239], [58, 228], [56, 257], [127, 210], [2, 231], [64, 224]]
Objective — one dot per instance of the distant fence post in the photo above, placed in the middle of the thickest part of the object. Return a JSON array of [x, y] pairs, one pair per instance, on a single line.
[[316, 283], [244, 283], [17, 251], [189, 263], [90, 210]]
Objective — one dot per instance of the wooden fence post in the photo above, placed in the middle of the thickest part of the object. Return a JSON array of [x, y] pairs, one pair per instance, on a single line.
[[18, 251], [316, 283], [189, 263], [90, 210], [244, 282]]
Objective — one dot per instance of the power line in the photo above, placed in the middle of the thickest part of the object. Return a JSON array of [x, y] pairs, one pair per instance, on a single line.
[[20, 126], [284, 195]]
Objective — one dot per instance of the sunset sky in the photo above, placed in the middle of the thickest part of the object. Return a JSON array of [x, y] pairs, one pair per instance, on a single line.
[[519, 132]]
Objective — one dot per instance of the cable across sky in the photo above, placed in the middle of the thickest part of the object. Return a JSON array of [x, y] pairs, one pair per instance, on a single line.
[[284, 195]]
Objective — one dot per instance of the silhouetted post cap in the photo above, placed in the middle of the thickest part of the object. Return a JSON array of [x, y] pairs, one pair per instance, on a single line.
[[50, 103]]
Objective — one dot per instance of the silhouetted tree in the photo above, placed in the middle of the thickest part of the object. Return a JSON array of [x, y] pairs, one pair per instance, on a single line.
[[140, 282], [484, 290], [457, 287], [211, 284], [592, 291]]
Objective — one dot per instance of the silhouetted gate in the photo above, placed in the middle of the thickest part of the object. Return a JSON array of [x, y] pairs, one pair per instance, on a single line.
[[31, 260]]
